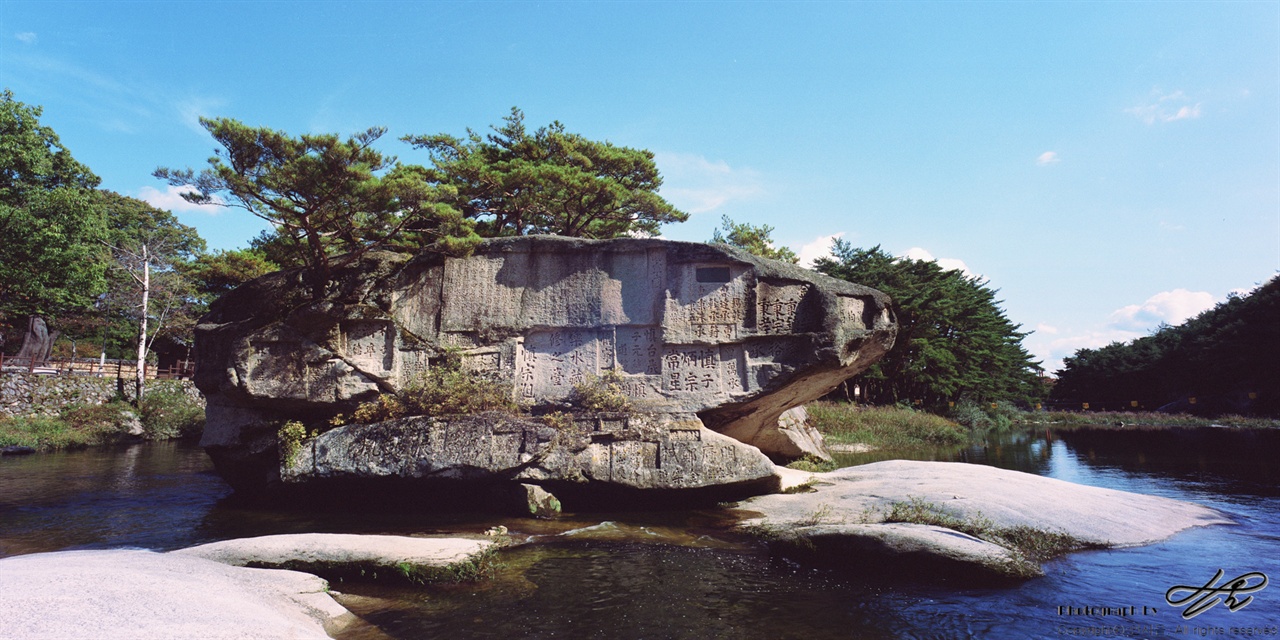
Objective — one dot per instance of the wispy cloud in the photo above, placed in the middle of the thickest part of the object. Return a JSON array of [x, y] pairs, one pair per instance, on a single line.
[[171, 200], [1166, 107], [192, 108], [26, 37], [1047, 158], [820, 247], [948, 264], [698, 185]]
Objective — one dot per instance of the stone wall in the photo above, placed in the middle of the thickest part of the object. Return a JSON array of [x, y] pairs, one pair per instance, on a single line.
[[26, 394]]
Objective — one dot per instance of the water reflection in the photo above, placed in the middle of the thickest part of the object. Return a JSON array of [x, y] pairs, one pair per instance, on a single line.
[[683, 574]]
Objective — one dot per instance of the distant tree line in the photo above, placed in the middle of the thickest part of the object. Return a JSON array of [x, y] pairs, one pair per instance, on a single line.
[[1227, 359]]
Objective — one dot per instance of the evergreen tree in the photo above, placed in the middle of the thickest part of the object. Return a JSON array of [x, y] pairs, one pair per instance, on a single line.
[[1219, 357], [515, 182], [753, 239], [330, 200], [954, 342]]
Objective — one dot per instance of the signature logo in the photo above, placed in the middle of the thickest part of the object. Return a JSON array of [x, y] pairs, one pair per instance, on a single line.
[[1202, 599]]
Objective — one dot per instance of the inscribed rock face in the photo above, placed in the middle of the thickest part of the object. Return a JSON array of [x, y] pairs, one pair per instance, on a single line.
[[685, 328]]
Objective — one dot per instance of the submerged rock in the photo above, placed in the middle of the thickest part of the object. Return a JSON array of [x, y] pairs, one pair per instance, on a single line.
[[839, 518], [687, 329], [349, 555]]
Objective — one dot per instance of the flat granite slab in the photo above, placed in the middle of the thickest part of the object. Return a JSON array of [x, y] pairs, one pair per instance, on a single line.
[[143, 595], [844, 512], [339, 553]]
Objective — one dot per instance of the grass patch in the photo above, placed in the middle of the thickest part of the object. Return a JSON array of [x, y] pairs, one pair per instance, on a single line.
[[482, 566], [883, 427], [1031, 544], [164, 414], [1140, 419], [45, 433], [75, 427], [814, 465]]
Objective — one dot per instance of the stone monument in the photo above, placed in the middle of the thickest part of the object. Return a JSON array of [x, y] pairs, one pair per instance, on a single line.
[[708, 336]]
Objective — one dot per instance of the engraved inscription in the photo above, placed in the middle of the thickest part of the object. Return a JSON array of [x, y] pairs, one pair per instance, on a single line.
[[482, 362], [708, 302], [691, 370], [475, 295], [369, 345], [552, 362], [851, 310], [638, 350], [779, 307], [732, 368]]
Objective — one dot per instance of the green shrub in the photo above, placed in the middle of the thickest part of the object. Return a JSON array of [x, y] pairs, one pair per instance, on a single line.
[[602, 393], [983, 417], [290, 437], [813, 465], [448, 388], [170, 413]]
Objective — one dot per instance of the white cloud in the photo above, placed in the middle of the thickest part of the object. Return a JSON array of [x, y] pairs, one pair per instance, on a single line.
[[1051, 350], [697, 185], [26, 37], [171, 200], [1168, 307], [191, 109], [1046, 328], [948, 264], [1047, 158], [1184, 113], [1168, 107], [819, 248]]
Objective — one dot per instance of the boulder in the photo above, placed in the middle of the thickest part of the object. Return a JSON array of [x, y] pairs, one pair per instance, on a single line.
[[617, 453], [533, 500], [335, 555], [685, 328], [834, 514], [143, 595]]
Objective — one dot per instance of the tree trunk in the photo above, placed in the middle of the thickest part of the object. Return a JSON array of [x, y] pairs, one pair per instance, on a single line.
[[141, 374]]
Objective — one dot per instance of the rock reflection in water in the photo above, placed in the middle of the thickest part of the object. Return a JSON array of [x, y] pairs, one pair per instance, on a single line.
[[626, 590]]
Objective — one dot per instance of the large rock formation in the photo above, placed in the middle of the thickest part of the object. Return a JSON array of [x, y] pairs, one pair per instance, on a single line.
[[846, 518], [693, 332]]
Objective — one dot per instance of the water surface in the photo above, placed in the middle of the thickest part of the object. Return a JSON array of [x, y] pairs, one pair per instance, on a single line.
[[682, 574]]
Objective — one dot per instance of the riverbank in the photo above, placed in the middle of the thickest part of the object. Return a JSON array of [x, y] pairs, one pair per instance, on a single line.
[[163, 414], [1097, 419], [850, 427]]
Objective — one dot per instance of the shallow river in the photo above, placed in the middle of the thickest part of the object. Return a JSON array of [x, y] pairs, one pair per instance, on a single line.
[[683, 575]]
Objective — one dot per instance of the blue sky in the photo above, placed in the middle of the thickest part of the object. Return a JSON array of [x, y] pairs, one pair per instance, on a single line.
[[1106, 166]]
